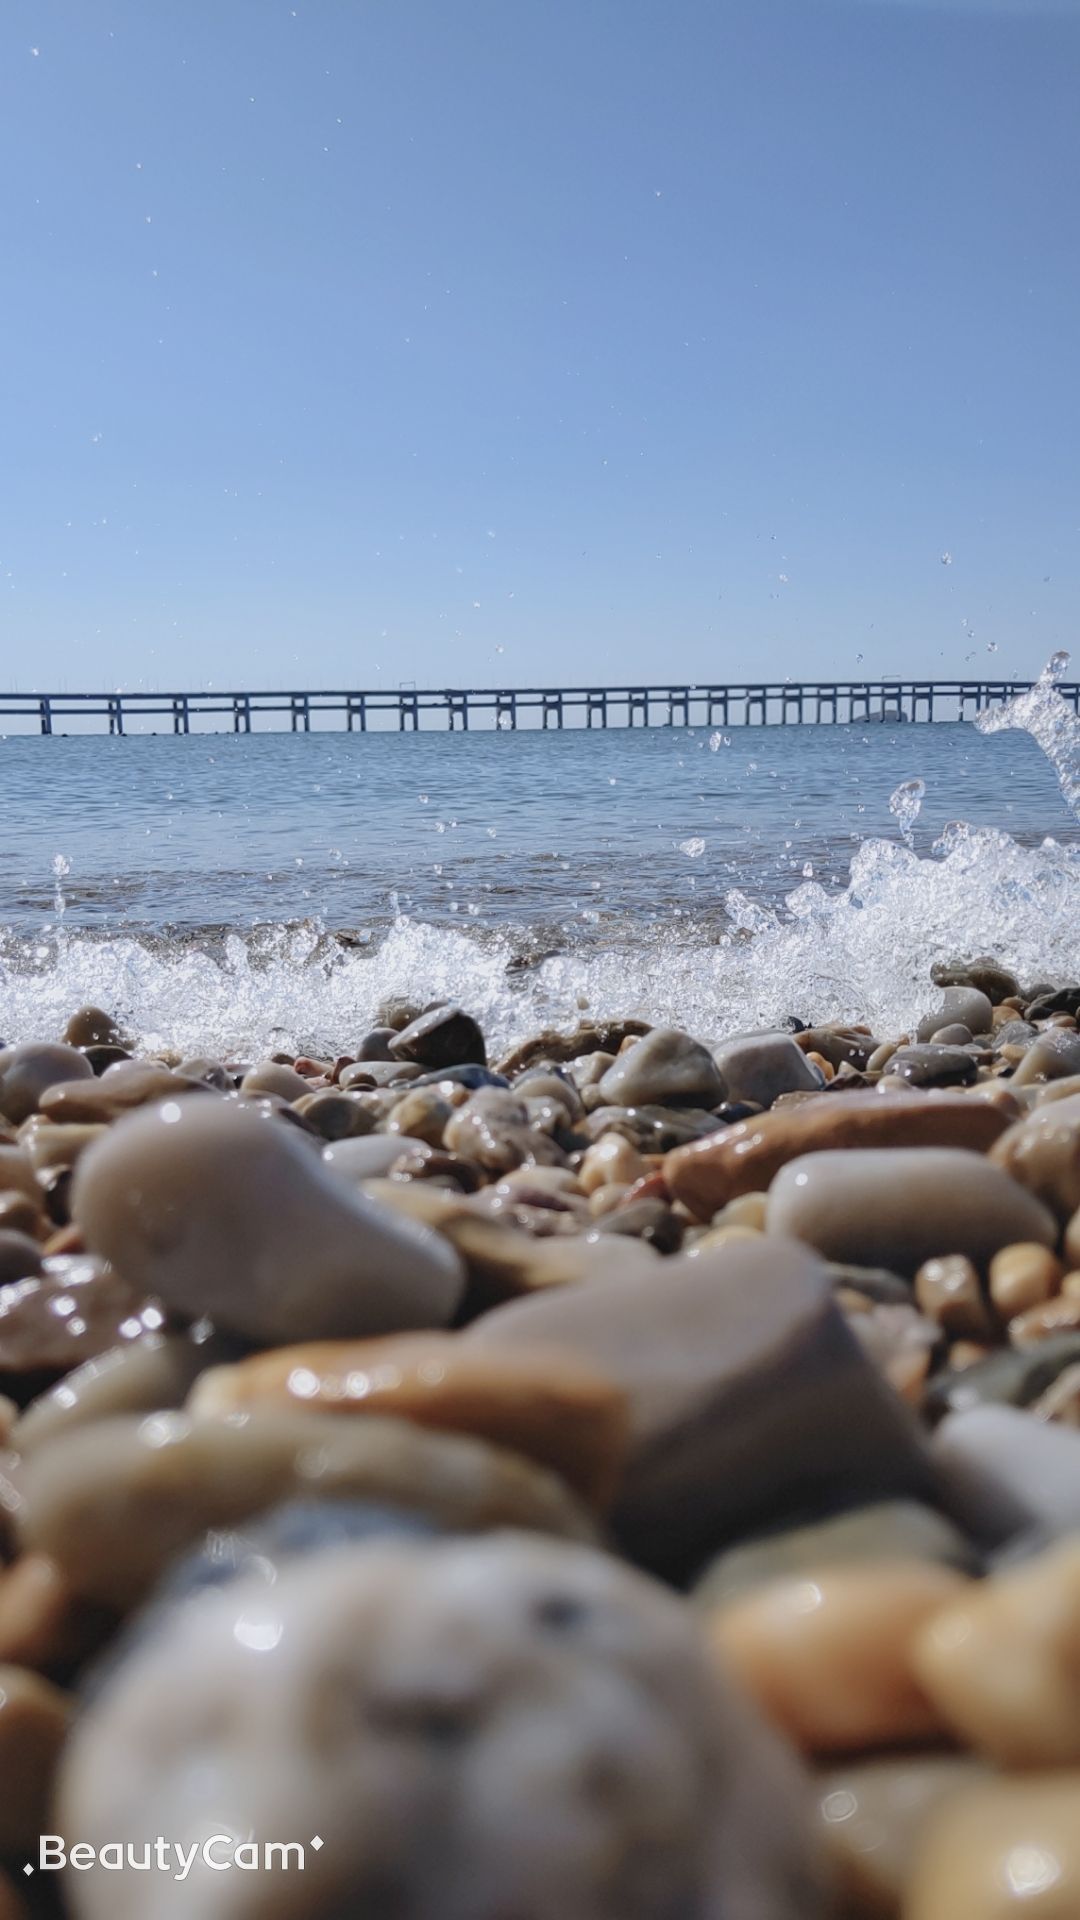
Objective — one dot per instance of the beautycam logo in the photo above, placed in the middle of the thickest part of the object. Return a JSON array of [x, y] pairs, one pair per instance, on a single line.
[[221, 1852]]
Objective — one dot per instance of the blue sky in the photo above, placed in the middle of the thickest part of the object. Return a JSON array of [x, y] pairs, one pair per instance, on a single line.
[[518, 341]]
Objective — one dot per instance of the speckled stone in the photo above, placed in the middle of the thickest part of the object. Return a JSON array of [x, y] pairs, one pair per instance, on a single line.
[[761, 1066], [557, 1709], [665, 1068]]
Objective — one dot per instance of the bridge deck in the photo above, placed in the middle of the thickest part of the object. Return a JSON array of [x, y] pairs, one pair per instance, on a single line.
[[749, 703]]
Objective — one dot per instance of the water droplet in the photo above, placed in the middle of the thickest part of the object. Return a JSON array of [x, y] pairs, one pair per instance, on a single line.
[[946, 559], [718, 740], [905, 803], [1056, 667], [692, 848]]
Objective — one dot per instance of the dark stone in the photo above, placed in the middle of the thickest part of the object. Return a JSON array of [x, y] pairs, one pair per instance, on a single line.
[[1012, 1378], [20, 1256], [105, 1055], [73, 1309], [92, 1026], [470, 1077], [931, 1066], [444, 1037], [984, 975], [1059, 1000], [376, 1044], [650, 1220], [877, 1283]]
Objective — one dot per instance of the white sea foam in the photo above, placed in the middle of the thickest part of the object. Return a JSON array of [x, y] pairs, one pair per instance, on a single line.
[[861, 952]]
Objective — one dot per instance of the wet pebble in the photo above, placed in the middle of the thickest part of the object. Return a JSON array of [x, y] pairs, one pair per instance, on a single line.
[[28, 1071]]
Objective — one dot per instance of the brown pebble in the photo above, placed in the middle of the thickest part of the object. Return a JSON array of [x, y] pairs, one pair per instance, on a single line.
[[27, 1071], [744, 1158], [949, 1291], [19, 1214], [20, 1256], [1023, 1276], [1006, 1850], [547, 1406], [828, 1656], [92, 1027]]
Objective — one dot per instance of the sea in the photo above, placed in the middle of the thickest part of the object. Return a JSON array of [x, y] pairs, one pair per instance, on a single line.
[[245, 893]]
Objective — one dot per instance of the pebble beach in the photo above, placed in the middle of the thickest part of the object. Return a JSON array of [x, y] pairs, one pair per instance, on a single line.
[[624, 1476]]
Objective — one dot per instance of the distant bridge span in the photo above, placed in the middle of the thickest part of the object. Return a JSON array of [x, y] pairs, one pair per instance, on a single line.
[[750, 703]]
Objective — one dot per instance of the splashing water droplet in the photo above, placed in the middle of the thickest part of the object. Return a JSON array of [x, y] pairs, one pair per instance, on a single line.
[[905, 803], [692, 848], [1051, 722], [61, 868], [946, 559], [718, 740]]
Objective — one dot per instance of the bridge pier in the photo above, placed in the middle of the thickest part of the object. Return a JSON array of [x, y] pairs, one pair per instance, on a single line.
[[825, 697], [457, 708], [45, 710], [596, 702], [300, 713], [756, 703], [355, 709], [679, 701], [791, 697], [714, 699], [116, 714], [637, 702], [242, 714], [181, 714], [506, 711], [408, 710], [552, 708]]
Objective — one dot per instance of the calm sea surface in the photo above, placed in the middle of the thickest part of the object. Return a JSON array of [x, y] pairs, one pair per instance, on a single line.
[[526, 829]]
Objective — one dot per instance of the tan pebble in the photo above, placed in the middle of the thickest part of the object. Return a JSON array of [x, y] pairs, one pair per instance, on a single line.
[[949, 1291], [1054, 1316], [1070, 1286], [873, 1816], [748, 1210], [33, 1725], [610, 1160], [827, 1656], [605, 1199], [881, 1056], [43, 1623], [273, 1076], [1023, 1276], [1001, 1661], [824, 1066], [1042, 1151], [1006, 1850], [422, 1115], [548, 1406]]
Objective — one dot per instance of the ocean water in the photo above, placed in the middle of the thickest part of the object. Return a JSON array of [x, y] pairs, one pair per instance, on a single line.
[[243, 892]]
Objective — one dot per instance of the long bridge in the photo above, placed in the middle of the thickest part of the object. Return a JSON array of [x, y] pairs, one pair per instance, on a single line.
[[749, 703]]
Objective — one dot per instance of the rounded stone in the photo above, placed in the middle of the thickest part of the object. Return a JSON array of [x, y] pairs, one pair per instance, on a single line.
[[217, 1209], [662, 1068], [1004, 1850], [1001, 1661], [1023, 1276], [92, 1027], [445, 1036], [556, 1709], [27, 1071], [1042, 1152], [273, 1076], [34, 1718], [962, 1006], [827, 1655], [949, 1292], [874, 1813], [897, 1209], [761, 1066], [20, 1256]]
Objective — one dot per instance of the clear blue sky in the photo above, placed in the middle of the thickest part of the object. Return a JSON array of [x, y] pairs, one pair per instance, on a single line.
[[357, 341]]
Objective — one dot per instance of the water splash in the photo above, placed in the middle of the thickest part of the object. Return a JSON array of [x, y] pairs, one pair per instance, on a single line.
[[61, 867], [905, 804], [1051, 722]]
